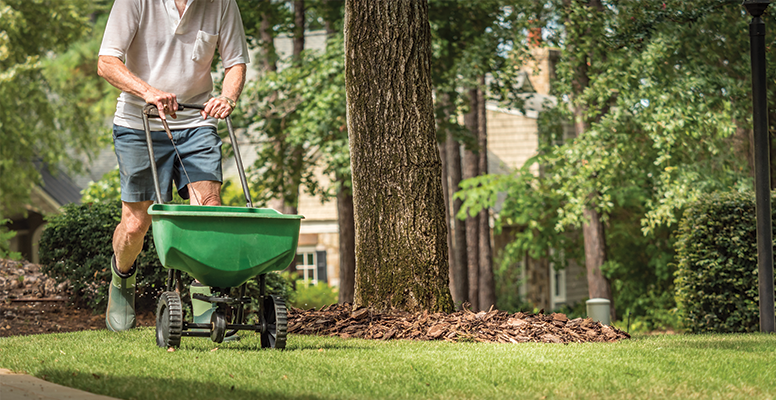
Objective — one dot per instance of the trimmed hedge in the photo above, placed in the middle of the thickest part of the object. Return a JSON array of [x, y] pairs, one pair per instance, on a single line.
[[77, 247], [716, 279]]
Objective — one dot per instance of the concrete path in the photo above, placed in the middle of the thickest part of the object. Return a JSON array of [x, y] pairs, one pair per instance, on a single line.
[[25, 387]]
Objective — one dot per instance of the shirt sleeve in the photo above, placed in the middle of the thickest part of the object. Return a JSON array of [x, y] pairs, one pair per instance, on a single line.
[[232, 45], [122, 26]]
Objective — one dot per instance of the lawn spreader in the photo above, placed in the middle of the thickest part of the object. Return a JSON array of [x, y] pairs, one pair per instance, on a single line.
[[221, 247]]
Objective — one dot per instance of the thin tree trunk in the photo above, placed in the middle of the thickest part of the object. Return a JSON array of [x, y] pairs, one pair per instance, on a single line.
[[459, 258], [471, 169], [446, 195], [299, 27], [593, 228], [444, 103], [269, 59], [401, 234], [347, 243], [291, 203], [487, 285]]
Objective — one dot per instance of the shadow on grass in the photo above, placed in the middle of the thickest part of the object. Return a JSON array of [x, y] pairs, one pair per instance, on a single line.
[[141, 388]]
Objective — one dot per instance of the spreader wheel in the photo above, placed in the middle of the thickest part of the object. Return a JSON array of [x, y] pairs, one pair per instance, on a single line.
[[169, 320], [218, 322], [276, 318]]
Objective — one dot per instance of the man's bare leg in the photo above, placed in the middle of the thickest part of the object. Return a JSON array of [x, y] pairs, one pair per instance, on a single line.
[[209, 192], [127, 244], [129, 235]]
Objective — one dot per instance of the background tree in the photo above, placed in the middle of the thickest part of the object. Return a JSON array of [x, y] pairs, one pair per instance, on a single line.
[[44, 117], [662, 107], [401, 247]]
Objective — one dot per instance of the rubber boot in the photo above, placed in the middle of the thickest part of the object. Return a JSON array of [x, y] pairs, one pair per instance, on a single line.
[[203, 310], [120, 315]]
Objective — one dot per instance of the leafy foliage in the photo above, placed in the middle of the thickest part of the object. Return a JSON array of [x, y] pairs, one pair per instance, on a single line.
[[40, 119], [77, 247], [5, 236], [309, 296], [717, 275], [297, 118]]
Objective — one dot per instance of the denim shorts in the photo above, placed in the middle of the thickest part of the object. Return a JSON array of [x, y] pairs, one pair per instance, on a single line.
[[200, 149]]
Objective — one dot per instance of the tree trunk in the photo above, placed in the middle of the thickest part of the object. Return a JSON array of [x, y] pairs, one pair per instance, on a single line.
[[269, 59], [595, 255], [446, 195], [450, 153], [593, 229], [347, 243], [299, 26], [487, 285], [459, 264], [401, 235], [471, 169]]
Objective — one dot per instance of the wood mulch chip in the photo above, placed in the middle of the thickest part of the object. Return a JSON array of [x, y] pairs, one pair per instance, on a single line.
[[492, 326]]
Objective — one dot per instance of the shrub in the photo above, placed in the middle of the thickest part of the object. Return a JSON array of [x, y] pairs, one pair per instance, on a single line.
[[309, 296], [716, 279], [77, 247]]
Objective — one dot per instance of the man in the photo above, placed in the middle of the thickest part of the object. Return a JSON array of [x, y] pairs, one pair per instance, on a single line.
[[160, 52]]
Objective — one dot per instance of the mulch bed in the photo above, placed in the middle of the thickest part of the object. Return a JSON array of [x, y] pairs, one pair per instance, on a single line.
[[492, 326], [32, 303]]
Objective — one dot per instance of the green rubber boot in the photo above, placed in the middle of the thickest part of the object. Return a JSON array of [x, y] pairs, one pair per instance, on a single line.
[[202, 310], [120, 315]]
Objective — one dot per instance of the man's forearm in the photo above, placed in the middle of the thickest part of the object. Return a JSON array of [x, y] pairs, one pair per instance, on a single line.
[[117, 74], [234, 80]]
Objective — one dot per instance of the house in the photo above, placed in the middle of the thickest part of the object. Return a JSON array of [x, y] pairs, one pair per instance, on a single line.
[[56, 189]]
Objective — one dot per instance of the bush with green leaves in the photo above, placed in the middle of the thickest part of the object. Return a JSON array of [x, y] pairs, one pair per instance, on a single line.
[[77, 247], [717, 277]]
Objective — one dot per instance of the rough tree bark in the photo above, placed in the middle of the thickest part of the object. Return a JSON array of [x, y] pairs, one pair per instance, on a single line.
[[471, 169], [487, 291], [401, 234]]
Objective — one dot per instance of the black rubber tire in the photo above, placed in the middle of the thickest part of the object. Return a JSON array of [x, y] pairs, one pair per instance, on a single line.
[[169, 320], [276, 318], [218, 322]]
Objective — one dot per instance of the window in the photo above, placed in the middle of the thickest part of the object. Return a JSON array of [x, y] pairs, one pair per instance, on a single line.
[[307, 265], [557, 285]]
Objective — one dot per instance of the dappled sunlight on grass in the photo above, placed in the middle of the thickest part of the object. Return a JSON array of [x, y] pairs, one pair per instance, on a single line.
[[664, 366]]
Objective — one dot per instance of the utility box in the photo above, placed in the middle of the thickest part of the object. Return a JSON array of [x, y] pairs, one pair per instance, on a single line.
[[599, 310]]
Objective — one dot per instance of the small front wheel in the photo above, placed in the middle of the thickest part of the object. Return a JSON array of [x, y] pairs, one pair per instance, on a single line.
[[274, 323], [169, 320], [218, 323]]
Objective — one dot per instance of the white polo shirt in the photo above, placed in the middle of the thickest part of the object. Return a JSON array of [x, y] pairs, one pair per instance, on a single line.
[[173, 53]]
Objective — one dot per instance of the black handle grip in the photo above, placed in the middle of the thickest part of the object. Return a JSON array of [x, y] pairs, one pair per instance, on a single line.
[[152, 111]]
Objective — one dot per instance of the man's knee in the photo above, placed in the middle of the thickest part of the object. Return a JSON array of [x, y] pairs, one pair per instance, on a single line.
[[135, 219], [206, 193]]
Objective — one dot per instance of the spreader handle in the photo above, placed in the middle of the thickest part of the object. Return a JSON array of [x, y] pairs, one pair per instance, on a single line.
[[150, 110]]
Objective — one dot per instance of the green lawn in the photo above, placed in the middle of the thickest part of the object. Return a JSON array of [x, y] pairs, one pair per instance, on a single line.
[[130, 366]]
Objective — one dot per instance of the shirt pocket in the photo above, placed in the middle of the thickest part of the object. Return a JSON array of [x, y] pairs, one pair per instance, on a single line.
[[204, 47]]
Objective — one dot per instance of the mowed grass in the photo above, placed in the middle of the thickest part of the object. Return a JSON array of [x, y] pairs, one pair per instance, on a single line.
[[130, 366]]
